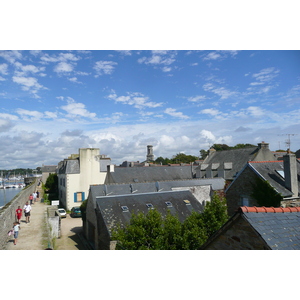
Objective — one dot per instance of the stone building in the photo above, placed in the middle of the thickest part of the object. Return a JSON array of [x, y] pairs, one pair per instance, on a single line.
[[228, 163], [104, 205], [46, 171], [258, 228], [283, 176]]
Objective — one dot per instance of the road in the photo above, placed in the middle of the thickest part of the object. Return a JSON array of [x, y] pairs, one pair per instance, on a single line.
[[69, 240]]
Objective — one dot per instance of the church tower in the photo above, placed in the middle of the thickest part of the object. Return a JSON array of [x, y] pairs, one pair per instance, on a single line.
[[150, 156]]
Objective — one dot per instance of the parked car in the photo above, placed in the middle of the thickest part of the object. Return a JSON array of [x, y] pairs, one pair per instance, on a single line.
[[75, 212], [62, 213]]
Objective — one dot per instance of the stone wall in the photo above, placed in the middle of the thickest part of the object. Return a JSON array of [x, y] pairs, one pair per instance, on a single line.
[[241, 187], [238, 236], [7, 213]]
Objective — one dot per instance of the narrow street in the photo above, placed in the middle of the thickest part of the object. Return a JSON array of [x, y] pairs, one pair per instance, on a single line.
[[69, 240]]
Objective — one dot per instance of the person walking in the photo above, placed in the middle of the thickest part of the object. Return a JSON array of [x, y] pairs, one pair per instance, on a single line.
[[19, 214], [30, 199], [27, 209], [16, 229], [34, 197]]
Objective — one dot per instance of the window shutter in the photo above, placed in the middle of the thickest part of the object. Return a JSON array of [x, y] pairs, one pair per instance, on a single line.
[[75, 197], [83, 196]]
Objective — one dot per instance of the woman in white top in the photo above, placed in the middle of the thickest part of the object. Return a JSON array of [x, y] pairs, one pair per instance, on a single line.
[[16, 229]]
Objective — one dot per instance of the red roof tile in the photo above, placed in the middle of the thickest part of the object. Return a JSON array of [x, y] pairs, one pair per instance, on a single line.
[[247, 209]]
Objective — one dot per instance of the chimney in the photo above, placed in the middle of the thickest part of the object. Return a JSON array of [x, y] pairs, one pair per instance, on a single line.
[[110, 168], [263, 145], [290, 173]]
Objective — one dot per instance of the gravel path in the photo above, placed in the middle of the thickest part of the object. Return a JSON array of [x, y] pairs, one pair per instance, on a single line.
[[33, 235]]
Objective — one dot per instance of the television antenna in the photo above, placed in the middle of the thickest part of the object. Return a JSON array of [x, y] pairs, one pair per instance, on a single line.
[[288, 141]]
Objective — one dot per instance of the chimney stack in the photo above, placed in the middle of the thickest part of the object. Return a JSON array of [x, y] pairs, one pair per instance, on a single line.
[[263, 145], [290, 173]]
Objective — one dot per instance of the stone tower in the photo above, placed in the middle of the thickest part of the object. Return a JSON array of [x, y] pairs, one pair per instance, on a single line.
[[150, 156]]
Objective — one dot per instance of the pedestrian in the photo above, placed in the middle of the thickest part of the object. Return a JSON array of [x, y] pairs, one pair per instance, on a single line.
[[37, 194], [30, 199], [34, 197], [16, 229], [27, 209], [19, 214]]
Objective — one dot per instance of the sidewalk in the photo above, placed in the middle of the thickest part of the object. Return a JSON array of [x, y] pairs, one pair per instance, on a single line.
[[33, 235]]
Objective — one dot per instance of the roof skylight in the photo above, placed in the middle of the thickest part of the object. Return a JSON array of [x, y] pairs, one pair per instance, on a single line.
[[125, 208], [169, 204]]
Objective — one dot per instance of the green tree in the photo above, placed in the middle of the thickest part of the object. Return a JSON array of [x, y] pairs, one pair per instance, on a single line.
[[51, 186], [264, 194], [215, 214]]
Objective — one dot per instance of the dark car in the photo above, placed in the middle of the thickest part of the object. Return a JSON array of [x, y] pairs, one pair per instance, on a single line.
[[75, 212]]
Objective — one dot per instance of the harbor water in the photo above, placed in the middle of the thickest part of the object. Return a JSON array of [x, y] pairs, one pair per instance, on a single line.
[[6, 195]]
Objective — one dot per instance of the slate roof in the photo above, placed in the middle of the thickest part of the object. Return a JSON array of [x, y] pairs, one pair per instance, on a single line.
[[147, 174], [48, 169], [238, 158], [234, 160], [269, 171], [279, 227], [69, 166], [151, 187], [182, 205]]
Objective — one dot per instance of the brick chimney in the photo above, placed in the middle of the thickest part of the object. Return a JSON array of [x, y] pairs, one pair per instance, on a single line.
[[290, 173]]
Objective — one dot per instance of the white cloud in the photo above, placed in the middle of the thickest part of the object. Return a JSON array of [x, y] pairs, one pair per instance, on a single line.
[[23, 70], [28, 84], [138, 100], [11, 56], [74, 79], [212, 56], [220, 91], [172, 112], [160, 57], [211, 111], [197, 98], [255, 111], [63, 67], [75, 110], [3, 69], [29, 115], [105, 67]]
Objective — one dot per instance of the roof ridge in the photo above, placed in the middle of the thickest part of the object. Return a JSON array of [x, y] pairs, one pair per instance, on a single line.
[[264, 161], [247, 209]]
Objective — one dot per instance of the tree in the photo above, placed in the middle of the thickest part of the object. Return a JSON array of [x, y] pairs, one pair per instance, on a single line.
[[52, 186], [215, 214], [153, 231], [264, 194]]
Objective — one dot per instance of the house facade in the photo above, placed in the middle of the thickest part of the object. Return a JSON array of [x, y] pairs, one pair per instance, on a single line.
[[77, 173]]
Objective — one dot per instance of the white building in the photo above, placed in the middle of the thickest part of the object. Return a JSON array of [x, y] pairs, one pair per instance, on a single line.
[[77, 173]]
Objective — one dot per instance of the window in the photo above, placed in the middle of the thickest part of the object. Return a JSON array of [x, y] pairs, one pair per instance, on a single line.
[[187, 202], [245, 201], [78, 197], [150, 205]]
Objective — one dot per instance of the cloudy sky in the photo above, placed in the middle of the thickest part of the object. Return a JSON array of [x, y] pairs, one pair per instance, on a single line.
[[55, 102]]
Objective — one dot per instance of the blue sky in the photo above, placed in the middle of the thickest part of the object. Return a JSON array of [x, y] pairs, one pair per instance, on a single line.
[[54, 102]]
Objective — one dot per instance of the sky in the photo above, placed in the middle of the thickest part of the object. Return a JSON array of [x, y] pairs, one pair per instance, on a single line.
[[55, 102]]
